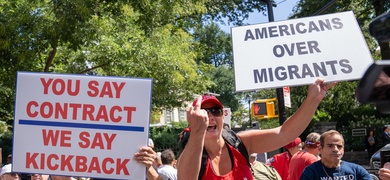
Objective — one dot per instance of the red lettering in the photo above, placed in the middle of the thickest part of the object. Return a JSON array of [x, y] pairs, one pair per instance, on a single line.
[[28, 109], [94, 90], [58, 83], [94, 165], [30, 160], [65, 136], [74, 109], [102, 114], [97, 141], [112, 113], [84, 137], [42, 161], [46, 85], [63, 110], [77, 88], [129, 112], [81, 164], [105, 168], [71, 163], [109, 139], [50, 137], [49, 107], [106, 90], [118, 89], [65, 162], [88, 109], [122, 166], [49, 162]]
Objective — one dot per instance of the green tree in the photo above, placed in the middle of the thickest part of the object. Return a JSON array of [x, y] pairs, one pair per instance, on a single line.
[[109, 38]]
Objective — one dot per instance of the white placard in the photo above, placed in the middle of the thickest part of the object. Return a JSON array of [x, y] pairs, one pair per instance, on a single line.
[[286, 95], [297, 52], [82, 126], [228, 116]]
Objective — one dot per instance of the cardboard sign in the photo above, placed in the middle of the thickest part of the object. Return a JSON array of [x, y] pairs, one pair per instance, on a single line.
[[299, 51], [83, 126]]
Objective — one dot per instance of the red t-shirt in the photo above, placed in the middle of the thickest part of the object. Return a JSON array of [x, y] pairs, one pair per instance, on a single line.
[[240, 170], [281, 163], [298, 163]]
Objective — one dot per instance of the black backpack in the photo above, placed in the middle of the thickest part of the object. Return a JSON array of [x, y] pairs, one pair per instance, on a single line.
[[230, 137]]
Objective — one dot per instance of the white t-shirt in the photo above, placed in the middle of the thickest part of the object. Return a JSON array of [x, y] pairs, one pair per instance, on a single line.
[[167, 172]]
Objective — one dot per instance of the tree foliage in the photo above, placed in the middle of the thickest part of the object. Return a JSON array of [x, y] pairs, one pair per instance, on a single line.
[[143, 39]]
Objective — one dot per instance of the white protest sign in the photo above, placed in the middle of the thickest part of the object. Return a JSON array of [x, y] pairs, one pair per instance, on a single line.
[[228, 116], [286, 95], [297, 52], [86, 126]]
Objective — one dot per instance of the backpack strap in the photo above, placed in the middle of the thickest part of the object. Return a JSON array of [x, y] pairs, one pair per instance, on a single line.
[[231, 138], [203, 164]]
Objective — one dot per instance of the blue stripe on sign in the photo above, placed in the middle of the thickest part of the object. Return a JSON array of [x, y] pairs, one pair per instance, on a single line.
[[81, 125]]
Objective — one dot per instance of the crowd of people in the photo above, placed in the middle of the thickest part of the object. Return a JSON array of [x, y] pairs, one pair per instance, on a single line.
[[211, 151]]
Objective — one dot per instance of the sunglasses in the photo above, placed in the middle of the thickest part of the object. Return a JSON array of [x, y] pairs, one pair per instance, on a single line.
[[217, 112]]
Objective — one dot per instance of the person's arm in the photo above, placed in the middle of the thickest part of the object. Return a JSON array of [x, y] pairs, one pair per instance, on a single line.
[[257, 141], [189, 162], [146, 156]]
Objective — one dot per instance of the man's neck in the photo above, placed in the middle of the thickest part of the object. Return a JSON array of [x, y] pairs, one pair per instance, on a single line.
[[330, 164]]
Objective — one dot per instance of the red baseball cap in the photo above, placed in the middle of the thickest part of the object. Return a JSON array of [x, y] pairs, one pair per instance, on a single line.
[[209, 99], [293, 143]]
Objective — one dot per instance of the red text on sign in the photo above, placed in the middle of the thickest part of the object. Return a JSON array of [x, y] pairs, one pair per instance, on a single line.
[[49, 110], [100, 140], [53, 136], [71, 163]]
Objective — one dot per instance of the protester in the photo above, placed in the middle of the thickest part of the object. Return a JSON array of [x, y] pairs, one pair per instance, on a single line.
[[371, 143], [261, 171], [146, 156], [7, 174], [205, 118], [166, 170], [331, 166], [386, 135], [281, 161], [307, 156]]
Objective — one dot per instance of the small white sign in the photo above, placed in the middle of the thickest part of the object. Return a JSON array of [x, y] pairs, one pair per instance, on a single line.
[[298, 51], [228, 116], [286, 94], [83, 126]]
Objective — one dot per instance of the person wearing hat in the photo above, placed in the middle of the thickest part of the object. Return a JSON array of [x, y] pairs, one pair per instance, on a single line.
[[307, 156], [205, 118], [281, 161], [7, 174]]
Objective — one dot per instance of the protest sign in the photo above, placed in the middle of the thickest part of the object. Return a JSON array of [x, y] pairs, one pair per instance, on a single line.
[[83, 126], [299, 51]]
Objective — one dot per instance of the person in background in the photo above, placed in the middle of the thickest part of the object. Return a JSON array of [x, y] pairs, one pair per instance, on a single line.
[[386, 135], [167, 170], [261, 171], [151, 143], [331, 166], [307, 156], [281, 161], [371, 143], [157, 162], [7, 174]]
